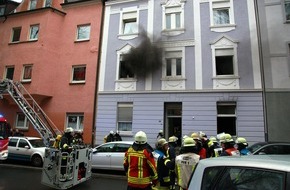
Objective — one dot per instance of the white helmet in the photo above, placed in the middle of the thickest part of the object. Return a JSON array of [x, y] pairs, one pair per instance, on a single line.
[[69, 130], [140, 138]]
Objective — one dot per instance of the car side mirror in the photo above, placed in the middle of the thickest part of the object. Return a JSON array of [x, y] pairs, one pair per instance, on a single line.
[[262, 153], [27, 147]]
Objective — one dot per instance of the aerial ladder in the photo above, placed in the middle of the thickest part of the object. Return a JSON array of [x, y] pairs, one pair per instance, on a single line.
[[61, 169]]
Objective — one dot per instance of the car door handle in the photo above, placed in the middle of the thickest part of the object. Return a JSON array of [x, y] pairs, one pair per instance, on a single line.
[[108, 155]]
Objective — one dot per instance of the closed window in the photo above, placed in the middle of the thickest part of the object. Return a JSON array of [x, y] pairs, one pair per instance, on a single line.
[[34, 29], [32, 4], [27, 73], [9, 72], [221, 16], [16, 34], [13, 142], [129, 23], [242, 178], [22, 143], [125, 116], [21, 121], [83, 32], [2, 10], [173, 18], [287, 9], [79, 74], [75, 121], [226, 117], [47, 3], [173, 64]]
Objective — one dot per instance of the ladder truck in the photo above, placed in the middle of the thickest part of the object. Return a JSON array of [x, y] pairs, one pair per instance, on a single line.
[[61, 169]]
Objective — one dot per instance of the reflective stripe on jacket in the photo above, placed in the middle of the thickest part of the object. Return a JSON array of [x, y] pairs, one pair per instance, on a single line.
[[140, 168], [185, 164]]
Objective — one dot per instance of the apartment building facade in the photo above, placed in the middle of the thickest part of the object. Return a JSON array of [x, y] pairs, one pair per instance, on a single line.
[[51, 47], [274, 29], [209, 79]]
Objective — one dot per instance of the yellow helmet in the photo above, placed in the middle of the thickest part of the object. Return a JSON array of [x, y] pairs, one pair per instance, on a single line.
[[242, 140], [162, 142], [195, 136], [225, 138], [213, 139], [172, 139], [189, 142]]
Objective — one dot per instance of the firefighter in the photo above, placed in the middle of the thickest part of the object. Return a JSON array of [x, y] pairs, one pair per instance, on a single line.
[[173, 150], [164, 165], [217, 149], [57, 141], [65, 147], [139, 164], [110, 137], [186, 162], [228, 145], [242, 146]]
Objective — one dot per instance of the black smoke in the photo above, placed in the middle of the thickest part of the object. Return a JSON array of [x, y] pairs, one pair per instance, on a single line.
[[145, 58]]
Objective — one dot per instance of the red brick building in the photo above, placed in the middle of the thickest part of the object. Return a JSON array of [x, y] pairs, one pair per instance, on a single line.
[[52, 48]]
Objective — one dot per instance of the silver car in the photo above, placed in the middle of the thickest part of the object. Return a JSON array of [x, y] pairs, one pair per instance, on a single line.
[[110, 156], [253, 172], [31, 149]]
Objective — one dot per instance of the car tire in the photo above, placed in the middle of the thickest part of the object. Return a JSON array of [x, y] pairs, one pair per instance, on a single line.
[[36, 161]]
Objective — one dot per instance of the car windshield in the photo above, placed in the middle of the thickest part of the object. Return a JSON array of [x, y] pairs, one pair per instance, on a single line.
[[255, 147], [37, 143]]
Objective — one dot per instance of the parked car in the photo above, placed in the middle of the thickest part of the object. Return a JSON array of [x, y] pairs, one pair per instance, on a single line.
[[270, 148], [110, 156], [253, 172], [31, 149]]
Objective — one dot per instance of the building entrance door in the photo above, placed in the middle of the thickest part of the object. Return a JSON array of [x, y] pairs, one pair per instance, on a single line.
[[173, 120]]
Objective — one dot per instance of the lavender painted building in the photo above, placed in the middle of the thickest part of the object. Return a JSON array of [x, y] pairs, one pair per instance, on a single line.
[[209, 81]]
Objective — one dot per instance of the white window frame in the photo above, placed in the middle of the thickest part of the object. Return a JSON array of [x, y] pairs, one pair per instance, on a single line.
[[32, 30], [124, 84], [125, 105], [25, 122], [225, 46], [13, 34], [83, 27], [6, 71], [233, 115], [173, 82], [127, 15], [23, 77], [79, 121], [72, 74], [173, 8], [32, 4], [222, 5]]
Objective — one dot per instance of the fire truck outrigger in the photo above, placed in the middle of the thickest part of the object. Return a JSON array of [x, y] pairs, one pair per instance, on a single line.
[[77, 164]]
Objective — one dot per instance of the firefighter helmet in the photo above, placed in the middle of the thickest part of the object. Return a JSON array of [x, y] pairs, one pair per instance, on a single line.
[[162, 142], [69, 130], [195, 136], [242, 140], [140, 138], [226, 138], [189, 142], [213, 139], [172, 139]]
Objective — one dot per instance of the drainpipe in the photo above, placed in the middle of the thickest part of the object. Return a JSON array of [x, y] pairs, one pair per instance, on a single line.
[[258, 25], [97, 73]]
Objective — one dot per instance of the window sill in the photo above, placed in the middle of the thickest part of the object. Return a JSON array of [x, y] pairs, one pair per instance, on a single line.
[[173, 32], [84, 40], [26, 81], [226, 77], [21, 42], [126, 133], [77, 82], [223, 28], [127, 36]]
